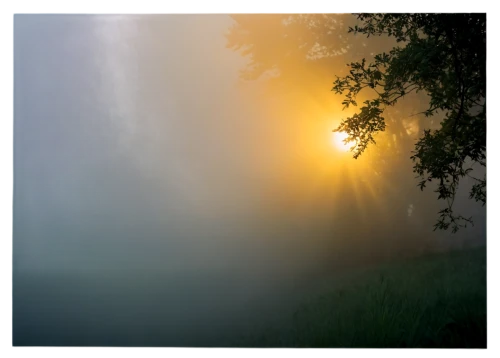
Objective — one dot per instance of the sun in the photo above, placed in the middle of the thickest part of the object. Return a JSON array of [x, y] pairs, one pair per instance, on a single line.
[[338, 141]]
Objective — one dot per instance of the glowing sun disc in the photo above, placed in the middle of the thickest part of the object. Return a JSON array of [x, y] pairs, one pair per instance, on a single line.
[[338, 141]]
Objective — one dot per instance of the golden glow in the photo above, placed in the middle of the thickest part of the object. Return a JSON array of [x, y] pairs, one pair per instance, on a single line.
[[338, 141]]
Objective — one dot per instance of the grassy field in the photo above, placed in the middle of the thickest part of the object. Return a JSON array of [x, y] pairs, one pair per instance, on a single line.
[[434, 301]]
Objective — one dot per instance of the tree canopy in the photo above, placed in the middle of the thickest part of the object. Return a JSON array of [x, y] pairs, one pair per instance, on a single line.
[[443, 55]]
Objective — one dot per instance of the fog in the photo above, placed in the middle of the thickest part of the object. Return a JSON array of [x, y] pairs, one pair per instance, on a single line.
[[160, 198]]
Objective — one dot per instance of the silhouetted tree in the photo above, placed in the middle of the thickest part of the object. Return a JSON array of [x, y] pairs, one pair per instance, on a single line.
[[443, 55]]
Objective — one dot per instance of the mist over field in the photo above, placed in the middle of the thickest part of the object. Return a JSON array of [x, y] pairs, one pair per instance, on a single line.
[[162, 199]]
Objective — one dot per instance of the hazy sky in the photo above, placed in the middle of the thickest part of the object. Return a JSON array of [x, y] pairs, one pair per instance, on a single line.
[[133, 135], [137, 145], [119, 124]]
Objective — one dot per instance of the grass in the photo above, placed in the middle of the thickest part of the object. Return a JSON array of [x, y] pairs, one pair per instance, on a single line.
[[437, 301]]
